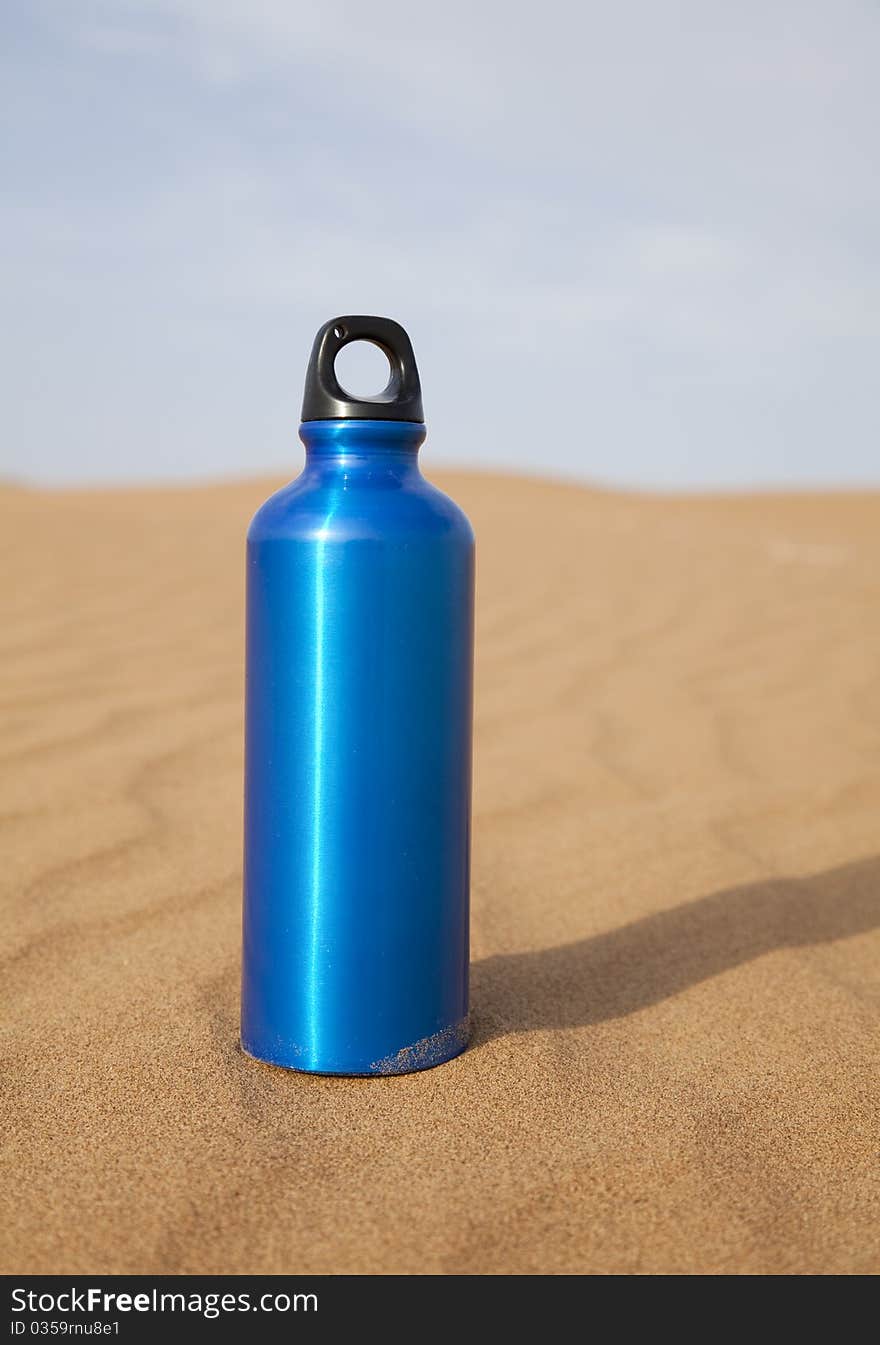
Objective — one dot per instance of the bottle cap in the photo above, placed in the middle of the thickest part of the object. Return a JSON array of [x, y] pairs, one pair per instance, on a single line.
[[326, 399]]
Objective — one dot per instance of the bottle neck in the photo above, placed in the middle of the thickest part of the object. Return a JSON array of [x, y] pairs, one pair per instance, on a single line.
[[371, 449]]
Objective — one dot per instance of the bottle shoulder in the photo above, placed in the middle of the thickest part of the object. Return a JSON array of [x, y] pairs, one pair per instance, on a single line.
[[337, 509]]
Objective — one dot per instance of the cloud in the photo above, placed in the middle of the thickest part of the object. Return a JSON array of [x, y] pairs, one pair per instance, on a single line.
[[647, 229]]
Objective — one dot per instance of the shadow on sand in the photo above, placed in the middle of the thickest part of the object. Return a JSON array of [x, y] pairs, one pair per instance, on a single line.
[[614, 974]]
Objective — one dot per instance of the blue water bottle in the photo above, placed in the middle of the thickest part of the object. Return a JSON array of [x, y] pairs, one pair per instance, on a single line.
[[360, 578]]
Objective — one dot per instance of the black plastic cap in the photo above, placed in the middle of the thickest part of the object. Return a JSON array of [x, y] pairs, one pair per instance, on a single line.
[[326, 399]]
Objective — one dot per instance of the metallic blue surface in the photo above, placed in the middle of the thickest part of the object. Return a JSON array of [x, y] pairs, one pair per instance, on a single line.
[[358, 761]]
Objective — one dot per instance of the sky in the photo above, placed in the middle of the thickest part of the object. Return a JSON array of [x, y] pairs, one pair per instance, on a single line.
[[634, 243]]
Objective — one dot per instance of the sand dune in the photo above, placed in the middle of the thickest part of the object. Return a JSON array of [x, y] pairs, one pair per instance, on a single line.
[[676, 904]]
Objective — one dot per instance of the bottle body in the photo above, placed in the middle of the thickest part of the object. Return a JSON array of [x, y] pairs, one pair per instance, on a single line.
[[358, 761]]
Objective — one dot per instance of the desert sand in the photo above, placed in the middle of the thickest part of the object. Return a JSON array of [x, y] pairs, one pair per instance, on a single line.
[[676, 901]]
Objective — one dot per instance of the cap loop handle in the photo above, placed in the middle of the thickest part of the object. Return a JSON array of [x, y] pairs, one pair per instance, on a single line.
[[326, 399]]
